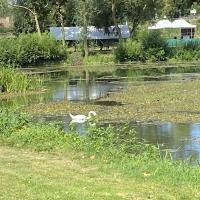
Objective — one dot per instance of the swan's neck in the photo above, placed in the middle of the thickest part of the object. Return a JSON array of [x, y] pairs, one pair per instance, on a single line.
[[89, 115], [72, 116]]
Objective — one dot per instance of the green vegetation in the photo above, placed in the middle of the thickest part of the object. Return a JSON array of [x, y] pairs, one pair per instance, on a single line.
[[146, 46], [99, 59], [110, 160], [30, 49], [13, 80], [160, 101], [152, 47], [187, 52]]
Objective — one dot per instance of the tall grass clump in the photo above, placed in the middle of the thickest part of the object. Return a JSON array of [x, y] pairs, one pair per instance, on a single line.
[[12, 120], [13, 80], [16, 129], [30, 49], [99, 59], [115, 143]]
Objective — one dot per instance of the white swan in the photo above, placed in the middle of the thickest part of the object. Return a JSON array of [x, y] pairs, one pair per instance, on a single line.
[[81, 118]]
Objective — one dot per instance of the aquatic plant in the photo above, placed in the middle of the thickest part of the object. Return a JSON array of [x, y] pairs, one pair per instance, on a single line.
[[159, 101], [13, 80]]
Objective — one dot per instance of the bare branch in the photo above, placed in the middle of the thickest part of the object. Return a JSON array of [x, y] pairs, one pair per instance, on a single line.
[[24, 8]]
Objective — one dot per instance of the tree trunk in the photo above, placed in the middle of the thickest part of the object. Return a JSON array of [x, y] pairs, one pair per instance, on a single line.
[[115, 20], [85, 41], [35, 16], [37, 25], [62, 30], [85, 32]]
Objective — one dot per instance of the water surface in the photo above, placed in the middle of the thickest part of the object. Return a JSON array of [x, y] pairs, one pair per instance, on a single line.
[[181, 140]]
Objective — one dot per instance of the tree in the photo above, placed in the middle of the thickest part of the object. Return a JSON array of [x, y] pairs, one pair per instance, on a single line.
[[118, 31], [107, 14], [174, 9], [139, 11], [33, 10], [62, 11], [102, 17], [84, 12], [4, 8]]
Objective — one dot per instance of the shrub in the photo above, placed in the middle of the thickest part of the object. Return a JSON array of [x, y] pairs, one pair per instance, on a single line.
[[146, 46], [129, 50], [30, 49], [154, 47], [187, 52]]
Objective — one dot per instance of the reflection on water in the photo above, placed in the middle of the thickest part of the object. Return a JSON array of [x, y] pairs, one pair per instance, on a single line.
[[90, 86], [181, 140], [64, 121], [62, 90]]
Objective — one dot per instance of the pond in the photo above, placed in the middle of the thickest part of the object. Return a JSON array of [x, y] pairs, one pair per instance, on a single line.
[[181, 140]]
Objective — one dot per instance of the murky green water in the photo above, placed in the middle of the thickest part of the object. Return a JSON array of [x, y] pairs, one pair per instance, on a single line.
[[181, 140]]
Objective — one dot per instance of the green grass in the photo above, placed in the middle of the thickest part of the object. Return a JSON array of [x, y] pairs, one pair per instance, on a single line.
[[28, 175], [40, 161]]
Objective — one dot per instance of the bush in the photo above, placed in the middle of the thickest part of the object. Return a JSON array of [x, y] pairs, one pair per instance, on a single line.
[[187, 52], [128, 51], [146, 46], [30, 49]]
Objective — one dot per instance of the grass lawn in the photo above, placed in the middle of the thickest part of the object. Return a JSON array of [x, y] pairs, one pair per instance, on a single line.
[[25, 175]]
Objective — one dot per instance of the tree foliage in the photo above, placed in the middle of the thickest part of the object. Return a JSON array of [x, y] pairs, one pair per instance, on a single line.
[[101, 14]]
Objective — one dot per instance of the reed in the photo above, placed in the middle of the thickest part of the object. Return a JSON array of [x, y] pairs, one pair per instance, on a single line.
[[13, 80]]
